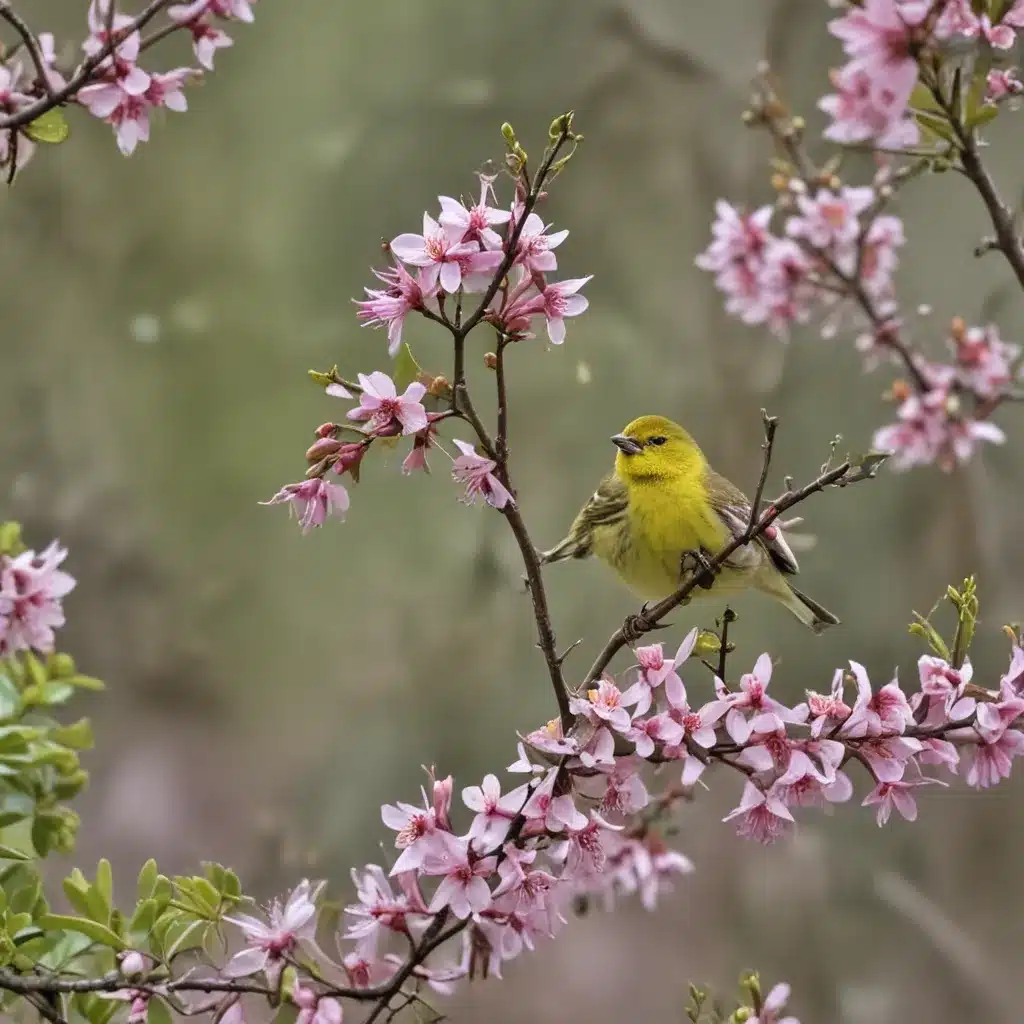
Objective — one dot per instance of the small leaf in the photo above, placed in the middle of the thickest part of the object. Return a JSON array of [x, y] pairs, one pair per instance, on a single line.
[[10, 853], [406, 369], [97, 932], [935, 126], [157, 1012], [183, 935], [10, 698], [85, 682], [866, 466], [77, 736], [983, 115], [50, 128], [104, 887], [147, 879]]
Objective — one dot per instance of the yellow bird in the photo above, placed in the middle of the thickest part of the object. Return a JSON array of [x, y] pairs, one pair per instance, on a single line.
[[663, 503]]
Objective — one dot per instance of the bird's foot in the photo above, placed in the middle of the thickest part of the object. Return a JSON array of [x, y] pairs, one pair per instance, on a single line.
[[696, 563], [638, 624]]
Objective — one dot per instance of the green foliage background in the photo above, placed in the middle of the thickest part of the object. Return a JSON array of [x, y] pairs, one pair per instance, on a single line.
[[267, 692]]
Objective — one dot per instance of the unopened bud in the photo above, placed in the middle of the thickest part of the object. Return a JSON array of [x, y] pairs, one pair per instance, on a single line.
[[509, 133], [322, 448], [780, 182], [953, 406], [900, 390], [958, 329], [60, 666], [799, 124], [490, 361], [326, 430], [133, 963], [439, 386], [749, 118]]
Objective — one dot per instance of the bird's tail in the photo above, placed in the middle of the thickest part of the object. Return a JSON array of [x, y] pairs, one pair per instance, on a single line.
[[569, 547], [808, 611]]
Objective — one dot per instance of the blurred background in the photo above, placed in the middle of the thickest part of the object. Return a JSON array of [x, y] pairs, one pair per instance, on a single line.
[[268, 691]]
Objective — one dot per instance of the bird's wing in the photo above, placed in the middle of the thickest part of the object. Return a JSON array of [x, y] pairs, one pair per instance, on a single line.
[[733, 508], [605, 507]]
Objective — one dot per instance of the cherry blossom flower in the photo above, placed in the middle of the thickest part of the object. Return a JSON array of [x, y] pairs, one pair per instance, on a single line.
[[533, 250], [984, 362], [773, 1005], [861, 112], [625, 792], [888, 756], [32, 589], [1002, 83], [477, 222], [548, 739], [640, 865], [556, 301], [313, 501], [389, 306], [290, 926], [582, 851], [552, 813], [315, 1008], [750, 709], [884, 711], [887, 795], [646, 732], [828, 712], [831, 218], [656, 669], [464, 887], [477, 473], [384, 410], [380, 910], [437, 251], [995, 717], [604, 702], [762, 815], [420, 837], [494, 812], [985, 764], [126, 52], [526, 887]]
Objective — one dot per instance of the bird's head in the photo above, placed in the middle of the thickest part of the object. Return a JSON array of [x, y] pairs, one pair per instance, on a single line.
[[653, 447]]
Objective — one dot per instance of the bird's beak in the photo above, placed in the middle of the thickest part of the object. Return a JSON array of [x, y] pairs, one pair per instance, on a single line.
[[627, 445]]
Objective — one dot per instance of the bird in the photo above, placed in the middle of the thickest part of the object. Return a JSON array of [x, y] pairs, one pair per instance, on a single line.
[[663, 512]]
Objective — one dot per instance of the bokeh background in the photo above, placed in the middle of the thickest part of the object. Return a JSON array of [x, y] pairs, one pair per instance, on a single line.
[[269, 691]]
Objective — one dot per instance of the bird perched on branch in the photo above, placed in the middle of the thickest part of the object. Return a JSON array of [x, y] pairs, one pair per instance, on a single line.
[[663, 508]]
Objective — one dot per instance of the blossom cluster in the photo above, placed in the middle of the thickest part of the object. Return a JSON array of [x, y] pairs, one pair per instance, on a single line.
[[110, 83], [585, 823], [32, 588], [883, 41], [461, 251]]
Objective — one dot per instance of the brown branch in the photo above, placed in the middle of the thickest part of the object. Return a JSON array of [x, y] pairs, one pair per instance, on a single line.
[[84, 74], [501, 443], [31, 43], [771, 424]]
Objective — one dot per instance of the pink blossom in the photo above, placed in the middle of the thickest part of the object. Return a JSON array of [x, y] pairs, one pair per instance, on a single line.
[[125, 110], [828, 712], [641, 865], [983, 360], [390, 305], [885, 711], [477, 222], [830, 219], [750, 709], [957, 19], [32, 589], [625, 792], [646, 732], [126, 52], [556, 301], [549, 812], [533, 250], [773, 1005], [1001, 83], [656, 669], [582, 851], [762, 814], [464, 887], [599, 750], [936, 751], [384, 410], [314, 1008], [14, 145], [987, 763], [207, 39], [879, 36], [1013, 680], [995, 717], [494, 812], [887, 795], [290, 926], [313, 501], [887, 757], [379, 910], [477, 473], [527, 888], [604, 702], [861, 112], [437, 251], [420, 836], [548, 739]]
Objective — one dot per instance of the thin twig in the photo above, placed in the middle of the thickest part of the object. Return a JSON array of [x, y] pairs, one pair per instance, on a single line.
[[26, 115], [501, 442], [31, 43], [771, 424], [728, 616]]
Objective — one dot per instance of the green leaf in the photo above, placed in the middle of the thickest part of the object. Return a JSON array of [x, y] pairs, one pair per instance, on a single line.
[[935, 126], [85, 682], [406, 369], [25, 898], [67, 946], [10, 698], [93, 929], [77, 736], [10, 853], [184, 934], [50, 128], [143, 920], [54, 692], [989, 112], [83, 897], [104, 887], [147, 879]]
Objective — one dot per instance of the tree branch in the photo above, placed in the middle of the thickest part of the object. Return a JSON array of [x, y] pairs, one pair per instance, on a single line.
[[8, 14]]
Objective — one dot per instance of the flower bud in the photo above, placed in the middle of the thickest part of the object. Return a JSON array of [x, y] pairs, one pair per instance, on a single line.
[[132, 963], [900, 390], [326, 430], [490, 360], [954, 407], [322, 448], [958, 329], [60, 666], [439, 386]]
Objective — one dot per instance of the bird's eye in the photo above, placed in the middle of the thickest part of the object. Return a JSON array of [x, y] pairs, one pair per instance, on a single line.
[[657, 440]]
